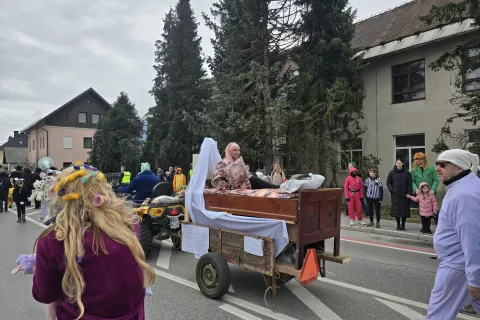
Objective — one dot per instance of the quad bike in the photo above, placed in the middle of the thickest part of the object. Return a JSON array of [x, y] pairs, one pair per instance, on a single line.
[[161, 220]]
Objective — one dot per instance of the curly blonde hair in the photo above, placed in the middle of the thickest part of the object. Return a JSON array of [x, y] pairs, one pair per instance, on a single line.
[[74, 194]]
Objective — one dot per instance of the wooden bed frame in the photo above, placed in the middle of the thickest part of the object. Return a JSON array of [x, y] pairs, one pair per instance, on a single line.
[[311, 218]]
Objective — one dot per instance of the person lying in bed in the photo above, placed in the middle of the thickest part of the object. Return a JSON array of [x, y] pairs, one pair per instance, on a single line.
[[232, 173]]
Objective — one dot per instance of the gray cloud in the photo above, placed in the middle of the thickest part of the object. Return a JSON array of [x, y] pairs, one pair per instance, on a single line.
[[51, 50]]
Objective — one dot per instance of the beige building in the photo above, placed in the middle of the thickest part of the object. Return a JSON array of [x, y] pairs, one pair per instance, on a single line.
[[406, 102]]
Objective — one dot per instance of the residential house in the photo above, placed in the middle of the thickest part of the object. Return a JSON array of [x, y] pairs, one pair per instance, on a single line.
[[14, 152], [406, 102], [66, 134]]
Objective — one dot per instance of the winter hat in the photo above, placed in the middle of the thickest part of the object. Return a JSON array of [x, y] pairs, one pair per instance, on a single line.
[[145, 166], [461, 158]]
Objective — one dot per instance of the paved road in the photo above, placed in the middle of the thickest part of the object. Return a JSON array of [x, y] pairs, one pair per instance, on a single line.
[[388, 278]]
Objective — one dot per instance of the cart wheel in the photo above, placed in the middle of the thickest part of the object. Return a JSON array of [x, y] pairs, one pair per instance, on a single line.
[[213, 275], [146, 236]]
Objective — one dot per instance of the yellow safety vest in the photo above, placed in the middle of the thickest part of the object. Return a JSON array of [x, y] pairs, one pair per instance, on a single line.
[[126, 177]]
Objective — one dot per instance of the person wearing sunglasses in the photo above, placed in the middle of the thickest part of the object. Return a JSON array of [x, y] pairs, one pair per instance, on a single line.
[[457, 237]]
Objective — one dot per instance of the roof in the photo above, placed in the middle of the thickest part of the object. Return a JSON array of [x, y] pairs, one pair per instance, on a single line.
[[395, 24], [19, 140], [89, 90]]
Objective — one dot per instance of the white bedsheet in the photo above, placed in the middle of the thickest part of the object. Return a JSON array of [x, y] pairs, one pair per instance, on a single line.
[[207, 160]]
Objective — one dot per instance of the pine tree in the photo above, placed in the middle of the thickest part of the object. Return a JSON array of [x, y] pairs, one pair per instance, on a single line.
[[330, 85], [463, 60], [179, 90], [249, 85], [117, 139]]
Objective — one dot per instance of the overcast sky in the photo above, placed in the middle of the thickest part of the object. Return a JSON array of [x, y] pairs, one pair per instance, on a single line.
[[52, 50]]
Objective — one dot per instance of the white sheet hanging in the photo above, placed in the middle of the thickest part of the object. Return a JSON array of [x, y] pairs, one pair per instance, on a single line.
[[206, 163]]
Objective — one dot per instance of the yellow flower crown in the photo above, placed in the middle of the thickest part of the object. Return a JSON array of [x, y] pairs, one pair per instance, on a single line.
[[79, 173]]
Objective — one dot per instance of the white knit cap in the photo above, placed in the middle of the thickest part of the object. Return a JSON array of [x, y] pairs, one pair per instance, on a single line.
[[461, 158]]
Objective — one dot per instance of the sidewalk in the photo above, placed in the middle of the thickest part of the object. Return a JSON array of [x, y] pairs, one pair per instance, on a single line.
[[389, 228]]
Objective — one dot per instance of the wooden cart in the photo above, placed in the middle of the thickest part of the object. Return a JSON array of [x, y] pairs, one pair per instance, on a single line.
[[311, 218]]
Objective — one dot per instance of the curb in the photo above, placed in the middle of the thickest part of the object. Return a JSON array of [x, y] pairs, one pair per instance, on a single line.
[[391, 233]]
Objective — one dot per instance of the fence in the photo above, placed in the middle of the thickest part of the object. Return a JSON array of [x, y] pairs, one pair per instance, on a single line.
[[111, 177]]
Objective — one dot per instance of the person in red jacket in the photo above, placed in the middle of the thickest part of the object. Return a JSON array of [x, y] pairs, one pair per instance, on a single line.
[[353, 189]]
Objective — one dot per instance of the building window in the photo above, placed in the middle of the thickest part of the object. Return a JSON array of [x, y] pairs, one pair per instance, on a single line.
[[82, 117], [471, 79], [408, 81], [473, 141], [351, 151], [33, 145], [65, 117], [87, 143], [407, 146], [95, 118], [67, 143]]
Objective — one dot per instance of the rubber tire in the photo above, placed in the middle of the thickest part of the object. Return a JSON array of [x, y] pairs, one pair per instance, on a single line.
[[146, 236], [223, 274]]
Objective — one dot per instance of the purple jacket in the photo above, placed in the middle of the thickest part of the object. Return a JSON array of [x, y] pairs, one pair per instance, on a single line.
[[114, 282]]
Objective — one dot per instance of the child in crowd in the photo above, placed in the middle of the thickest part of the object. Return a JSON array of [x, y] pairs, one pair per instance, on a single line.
[[428, 205], [20, 197], [353, 189], [374, 194], [89, 261]]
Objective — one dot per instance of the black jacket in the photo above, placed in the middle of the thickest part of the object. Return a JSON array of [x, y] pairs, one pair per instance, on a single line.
[[399, 183], [20, 194], [5, 185], [29, 179]]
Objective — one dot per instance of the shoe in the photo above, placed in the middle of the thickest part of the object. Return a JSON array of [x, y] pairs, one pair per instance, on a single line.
[[362, 223], [370, 224], [469, 310], [429, 232], [1, 210], [377, 225], [403, 229], [398, 228], [351, 222], [422, 230]]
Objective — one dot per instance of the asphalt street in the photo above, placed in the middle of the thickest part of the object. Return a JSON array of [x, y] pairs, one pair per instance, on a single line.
[[388, 278]]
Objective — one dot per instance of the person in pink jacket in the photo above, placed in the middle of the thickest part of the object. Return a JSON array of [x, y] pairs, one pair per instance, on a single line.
[[428, 205], [353, 189]]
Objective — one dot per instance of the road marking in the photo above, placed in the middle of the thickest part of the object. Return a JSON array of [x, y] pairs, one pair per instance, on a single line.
[[312, 302], [392, 246], [404, 311], [239, 302], [385, 296], [31, 220], [239, 313], [164, 255], [34, 212]]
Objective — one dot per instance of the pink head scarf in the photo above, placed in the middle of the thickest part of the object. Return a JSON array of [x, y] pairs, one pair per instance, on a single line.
[[228, 150]]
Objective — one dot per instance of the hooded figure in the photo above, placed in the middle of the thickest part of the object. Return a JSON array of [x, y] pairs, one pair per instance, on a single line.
[[353, 189], [179, 180]]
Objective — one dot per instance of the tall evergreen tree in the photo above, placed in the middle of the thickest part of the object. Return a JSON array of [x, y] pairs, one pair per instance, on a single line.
[[179, 90], [248, 76], [464, 63], [330, 84], [117, 139]]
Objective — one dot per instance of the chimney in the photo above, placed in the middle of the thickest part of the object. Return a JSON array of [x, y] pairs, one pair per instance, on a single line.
[[15, 134]]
